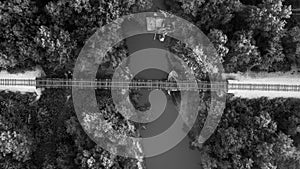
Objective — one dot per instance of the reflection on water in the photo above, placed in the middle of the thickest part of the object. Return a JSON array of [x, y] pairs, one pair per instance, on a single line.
[[181, 156]]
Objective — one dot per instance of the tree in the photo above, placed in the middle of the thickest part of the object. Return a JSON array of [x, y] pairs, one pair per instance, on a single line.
[[243, 53], [17, 141], [16, 144], [251, 136], [206, 14], [219, 39], [51, 34], [269, 17], [261, 22], [17, 29], [291, 45], [268, 20]]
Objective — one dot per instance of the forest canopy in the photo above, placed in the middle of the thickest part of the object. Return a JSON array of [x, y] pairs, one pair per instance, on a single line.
[[258, 35]]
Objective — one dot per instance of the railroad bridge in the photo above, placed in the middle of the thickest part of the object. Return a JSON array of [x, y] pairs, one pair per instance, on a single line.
[[248, 85]]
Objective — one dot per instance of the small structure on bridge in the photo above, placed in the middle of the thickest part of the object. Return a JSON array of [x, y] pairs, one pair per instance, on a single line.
[[160, 24]]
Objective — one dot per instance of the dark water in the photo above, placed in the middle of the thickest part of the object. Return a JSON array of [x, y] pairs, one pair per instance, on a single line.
[[181, 156]]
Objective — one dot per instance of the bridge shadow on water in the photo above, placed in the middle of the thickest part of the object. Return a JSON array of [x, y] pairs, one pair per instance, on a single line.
[[180, 156]]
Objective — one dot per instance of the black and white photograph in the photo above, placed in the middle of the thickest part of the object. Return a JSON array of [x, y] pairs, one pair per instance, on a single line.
[[150, 84]]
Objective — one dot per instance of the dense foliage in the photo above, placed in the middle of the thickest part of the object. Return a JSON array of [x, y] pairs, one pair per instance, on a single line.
[[255, 134], [248, 35], [52, 33], [47, 134], [255, 33]]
